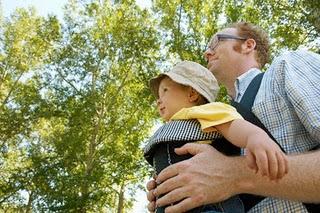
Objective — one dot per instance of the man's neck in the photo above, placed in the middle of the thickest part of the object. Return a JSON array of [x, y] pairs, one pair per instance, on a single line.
[[243, 81], [230, 85], [230, 88]]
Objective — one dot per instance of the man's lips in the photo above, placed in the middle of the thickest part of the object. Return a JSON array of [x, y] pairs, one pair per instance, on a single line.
[[210, 62]]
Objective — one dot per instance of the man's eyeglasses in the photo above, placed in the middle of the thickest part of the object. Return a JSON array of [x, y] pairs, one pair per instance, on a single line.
[[219, 37]]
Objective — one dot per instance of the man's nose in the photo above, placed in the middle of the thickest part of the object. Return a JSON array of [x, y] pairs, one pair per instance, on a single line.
[[207, 54]]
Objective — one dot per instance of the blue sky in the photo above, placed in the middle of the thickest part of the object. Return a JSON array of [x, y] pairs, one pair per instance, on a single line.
[[45, 7]]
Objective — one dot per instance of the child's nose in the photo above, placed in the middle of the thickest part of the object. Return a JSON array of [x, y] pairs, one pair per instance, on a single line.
[[159, 101]]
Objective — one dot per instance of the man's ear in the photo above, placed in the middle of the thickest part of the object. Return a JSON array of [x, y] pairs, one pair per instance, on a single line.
[[249, 45], [193, 95]]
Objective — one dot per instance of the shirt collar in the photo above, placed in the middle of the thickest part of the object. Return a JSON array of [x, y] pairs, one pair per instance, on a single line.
[[243, 81]]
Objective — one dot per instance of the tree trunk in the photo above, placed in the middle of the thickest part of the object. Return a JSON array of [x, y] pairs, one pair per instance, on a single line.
[[121, 199], [28, 209]]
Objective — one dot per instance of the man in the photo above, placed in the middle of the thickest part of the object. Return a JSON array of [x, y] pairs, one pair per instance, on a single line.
[[287, 103]]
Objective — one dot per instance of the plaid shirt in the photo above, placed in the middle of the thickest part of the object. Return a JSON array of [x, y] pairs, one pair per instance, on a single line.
[[288, 104]]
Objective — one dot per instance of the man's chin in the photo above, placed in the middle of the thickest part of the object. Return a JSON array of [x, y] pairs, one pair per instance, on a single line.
[[213, 70], [212, 67]]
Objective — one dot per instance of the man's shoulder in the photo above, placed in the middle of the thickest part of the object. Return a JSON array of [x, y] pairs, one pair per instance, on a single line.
[[295, 60], [296, 56]]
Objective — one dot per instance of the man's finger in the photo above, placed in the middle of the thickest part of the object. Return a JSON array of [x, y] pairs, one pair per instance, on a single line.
[[286, 163], [171, 184], [174, 196], [150, 196], [151, 185], [251, 161], [167, 173], [151, 206], [273, 165], [262, 163], [171, 171], [182, 206], [282, 165], [192, 148]]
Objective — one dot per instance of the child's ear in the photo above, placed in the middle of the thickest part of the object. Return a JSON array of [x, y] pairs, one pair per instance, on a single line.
[[193, 95]]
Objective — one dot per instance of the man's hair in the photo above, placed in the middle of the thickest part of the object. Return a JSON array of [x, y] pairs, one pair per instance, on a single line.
[[248, 30]]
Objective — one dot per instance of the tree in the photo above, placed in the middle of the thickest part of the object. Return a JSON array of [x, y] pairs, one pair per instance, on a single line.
[[26, 42], [88, 108], [95, 109]]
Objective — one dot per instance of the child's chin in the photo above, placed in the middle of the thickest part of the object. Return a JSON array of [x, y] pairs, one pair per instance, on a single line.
[[164, 119]]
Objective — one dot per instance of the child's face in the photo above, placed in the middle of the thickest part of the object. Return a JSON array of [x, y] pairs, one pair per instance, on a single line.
[[172, 98]]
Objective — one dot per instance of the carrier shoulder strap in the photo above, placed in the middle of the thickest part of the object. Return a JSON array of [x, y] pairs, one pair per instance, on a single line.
[[246, 103], [245, 109]]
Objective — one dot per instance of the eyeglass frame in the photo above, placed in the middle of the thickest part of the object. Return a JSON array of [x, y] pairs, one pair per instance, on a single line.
[[224, 36]]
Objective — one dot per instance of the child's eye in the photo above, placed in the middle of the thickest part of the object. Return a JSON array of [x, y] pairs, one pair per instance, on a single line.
[[165, 89]]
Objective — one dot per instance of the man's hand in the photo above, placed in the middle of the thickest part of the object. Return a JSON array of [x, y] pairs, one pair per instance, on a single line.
[[208, 177]]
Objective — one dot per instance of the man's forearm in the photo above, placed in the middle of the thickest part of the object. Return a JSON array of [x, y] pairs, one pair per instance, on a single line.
[[302, 183], [203, 178]]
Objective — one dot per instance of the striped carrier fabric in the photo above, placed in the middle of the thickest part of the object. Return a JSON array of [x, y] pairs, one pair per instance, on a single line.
[[159, 151]]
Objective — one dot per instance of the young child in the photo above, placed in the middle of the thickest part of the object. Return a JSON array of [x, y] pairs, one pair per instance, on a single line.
[[186, 101]]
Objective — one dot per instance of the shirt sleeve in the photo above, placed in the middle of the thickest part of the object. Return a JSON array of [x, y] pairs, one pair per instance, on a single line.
[[209, 115]]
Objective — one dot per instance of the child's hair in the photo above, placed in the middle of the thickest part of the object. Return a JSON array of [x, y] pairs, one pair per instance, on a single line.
[[201, 99]]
